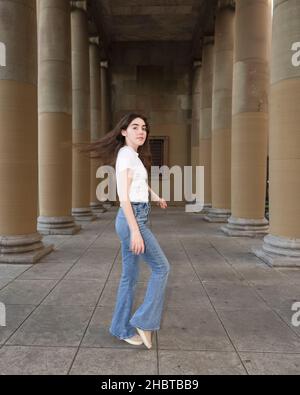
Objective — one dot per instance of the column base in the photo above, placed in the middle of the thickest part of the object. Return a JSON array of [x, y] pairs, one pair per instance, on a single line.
[[279, 251], [107, 204], [23, 249], [205, 210], [97, 208], [243, 227], [57, 226], [83, 215], [217, 215]]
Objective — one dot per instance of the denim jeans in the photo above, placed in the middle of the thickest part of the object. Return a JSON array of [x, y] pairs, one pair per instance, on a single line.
[[148, 315]]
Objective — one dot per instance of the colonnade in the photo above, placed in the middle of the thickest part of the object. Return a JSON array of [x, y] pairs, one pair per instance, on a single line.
[[54, 91], [255, 114], [51, 88]]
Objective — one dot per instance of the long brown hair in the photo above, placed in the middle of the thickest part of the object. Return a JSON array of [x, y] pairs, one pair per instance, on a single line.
[[106, 149]]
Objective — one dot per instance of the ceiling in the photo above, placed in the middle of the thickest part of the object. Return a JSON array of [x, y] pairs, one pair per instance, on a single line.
[[152, 20]]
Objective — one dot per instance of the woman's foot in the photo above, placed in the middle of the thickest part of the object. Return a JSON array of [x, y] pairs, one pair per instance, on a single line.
[[146, 337], [134, 340]]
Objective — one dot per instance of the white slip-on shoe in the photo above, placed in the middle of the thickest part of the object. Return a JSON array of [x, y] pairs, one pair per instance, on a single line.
[[146, 337], [134, 340]]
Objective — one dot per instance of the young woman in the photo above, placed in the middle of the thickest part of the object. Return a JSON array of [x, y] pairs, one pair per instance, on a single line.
[[127, 147]]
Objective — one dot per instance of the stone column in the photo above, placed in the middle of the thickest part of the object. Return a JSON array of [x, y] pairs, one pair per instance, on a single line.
[[55, 118], [282, 246], [250, 118], [95, 87], [222, 113], [105, 99], [205, 117], [81, 111], [105, 107], [19, 240], [196, 108]]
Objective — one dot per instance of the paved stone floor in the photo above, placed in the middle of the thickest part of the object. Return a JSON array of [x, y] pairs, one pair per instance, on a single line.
[[226, 312]]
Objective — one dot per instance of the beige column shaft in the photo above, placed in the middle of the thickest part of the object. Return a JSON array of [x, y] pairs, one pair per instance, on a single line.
[[81, 114], [195, 131], [55, 118], [95, 87], [105, 120], [250, 118], [19, 240], [105, 99], [222, 114], [205, 117], [282, 246]]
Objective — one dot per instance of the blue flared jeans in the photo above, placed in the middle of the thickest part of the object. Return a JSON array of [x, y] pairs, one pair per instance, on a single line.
[[148, 315]]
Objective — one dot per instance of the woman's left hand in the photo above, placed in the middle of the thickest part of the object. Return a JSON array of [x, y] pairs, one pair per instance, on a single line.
[[162, 203]]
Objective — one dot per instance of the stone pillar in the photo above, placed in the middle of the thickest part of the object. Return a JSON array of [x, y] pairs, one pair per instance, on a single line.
[[81, 111], [222, 113], [105, 99], [55, 118], [105, 107], [19, 240], [282, 246], [95, 88], [250, 118], [196, 108], [205, 118]]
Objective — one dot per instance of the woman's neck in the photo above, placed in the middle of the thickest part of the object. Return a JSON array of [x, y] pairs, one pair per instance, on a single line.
[[135, 150]]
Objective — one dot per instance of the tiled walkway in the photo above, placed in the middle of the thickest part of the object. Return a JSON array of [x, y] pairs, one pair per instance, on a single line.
[[226, 312]]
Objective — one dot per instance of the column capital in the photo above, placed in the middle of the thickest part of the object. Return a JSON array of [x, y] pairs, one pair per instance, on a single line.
[[79, 5], [197, 63], [104, 64], [226, 4], [208, 40], [94, 40]]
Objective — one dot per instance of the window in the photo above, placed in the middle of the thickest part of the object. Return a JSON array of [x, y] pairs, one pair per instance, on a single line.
[[160, 151]]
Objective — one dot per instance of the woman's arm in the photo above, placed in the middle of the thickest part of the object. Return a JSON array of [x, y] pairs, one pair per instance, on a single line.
[[126, 180], [154, 196], [137, 242]]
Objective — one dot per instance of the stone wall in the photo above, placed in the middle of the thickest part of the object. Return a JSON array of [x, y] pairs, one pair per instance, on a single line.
[[155, 79]]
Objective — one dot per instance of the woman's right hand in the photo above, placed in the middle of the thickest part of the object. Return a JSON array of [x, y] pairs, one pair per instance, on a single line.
[[137, 242]]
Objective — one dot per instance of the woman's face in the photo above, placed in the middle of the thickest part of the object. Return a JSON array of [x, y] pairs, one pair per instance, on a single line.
[[136, 133]]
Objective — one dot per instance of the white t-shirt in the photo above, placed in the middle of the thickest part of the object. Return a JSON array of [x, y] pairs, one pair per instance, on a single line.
[[128, 158]]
